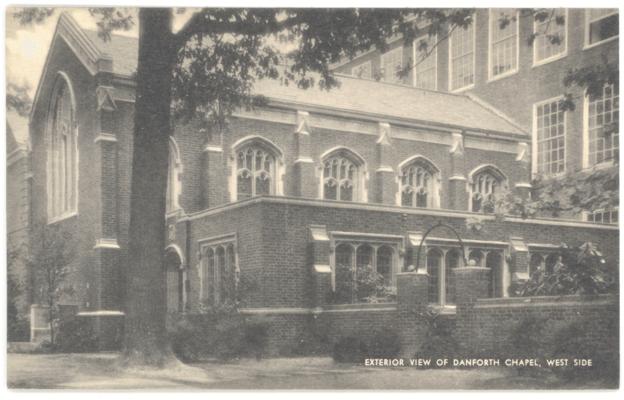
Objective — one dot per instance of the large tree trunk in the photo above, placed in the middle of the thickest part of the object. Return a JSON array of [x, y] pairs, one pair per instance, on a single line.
[[145, 334]]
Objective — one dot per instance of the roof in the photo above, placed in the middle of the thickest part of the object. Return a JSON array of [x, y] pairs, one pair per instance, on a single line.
[[384, 100]]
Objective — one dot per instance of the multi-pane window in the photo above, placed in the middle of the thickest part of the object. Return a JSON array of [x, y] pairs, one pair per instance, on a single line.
[[604, 217], [601, 24], [462, 53], [425, 63], [362, 269], [418, 186], [62, 154], [255, 173], [603, 116], [440, 265], [550, 137], [485, 188], [364, 70], [503, 42], [173, 182], [218, 273], [391, 64], [550, 40], [340, 177]]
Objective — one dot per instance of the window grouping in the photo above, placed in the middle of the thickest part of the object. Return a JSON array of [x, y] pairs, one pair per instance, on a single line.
[[341, 175], [485, 188], [603, 117], [218, 274], [418, 185], [550, 40], [503, 42], [462, 55], [363, 270], [62, 153], [255, 171], [391, 64], [601, 24], [364, 70], [543, 261], [604, 217], [425, 63], [550, 137]]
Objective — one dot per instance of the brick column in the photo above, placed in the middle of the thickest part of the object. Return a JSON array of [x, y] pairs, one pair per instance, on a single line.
[[385, 177], [523, 165], [321, 270], [412, 299], [213, 176], [457, 194], [305, 179]]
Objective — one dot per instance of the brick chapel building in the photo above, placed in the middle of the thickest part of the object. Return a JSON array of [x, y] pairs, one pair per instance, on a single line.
[[289, 191]]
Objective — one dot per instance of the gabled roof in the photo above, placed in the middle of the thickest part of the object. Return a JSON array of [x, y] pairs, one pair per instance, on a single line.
[[359, 96]]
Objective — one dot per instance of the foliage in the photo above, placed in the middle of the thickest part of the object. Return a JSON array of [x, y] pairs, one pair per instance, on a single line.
[[439, 341], [385, 343], [75, 336], [363, 284], [18, 326], [350, 350], [580, 270], [220, 333], [50, 262], [18, 99], [526, 341]]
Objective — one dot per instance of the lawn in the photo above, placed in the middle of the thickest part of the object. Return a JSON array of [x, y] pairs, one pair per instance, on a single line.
[[101, 371]]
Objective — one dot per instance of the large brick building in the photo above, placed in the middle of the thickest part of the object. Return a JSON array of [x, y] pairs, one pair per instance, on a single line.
[[272, 205], [525, 81]]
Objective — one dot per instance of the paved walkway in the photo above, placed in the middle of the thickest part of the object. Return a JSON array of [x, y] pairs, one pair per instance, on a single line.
[[100, 371]]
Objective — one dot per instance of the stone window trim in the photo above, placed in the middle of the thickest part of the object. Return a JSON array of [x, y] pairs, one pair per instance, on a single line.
[[535, 153], [451, 84], [489, 171], [276, 175], [208, 257], [434, 191], [357, 182], [418, 62], [589, 21], [62, 203], [174, 181], [492, 43], [539, 40], [588, 137], [376, 241]]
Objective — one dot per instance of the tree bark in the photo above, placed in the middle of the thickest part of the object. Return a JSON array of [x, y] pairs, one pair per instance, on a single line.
[[146, 340]]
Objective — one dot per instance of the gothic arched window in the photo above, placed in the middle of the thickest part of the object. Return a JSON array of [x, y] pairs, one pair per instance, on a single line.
[[341, 176], [62, 160], [419, 184], [487, 184], [256, 169]]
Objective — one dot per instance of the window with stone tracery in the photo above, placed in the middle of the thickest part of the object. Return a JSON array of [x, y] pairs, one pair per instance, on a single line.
[[486, 187], [418, 185], [219, 273], [255, 172], [341, 175]]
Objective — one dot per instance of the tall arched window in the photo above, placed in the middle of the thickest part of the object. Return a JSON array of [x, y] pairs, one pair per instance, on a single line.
[[256, 168], [419, 186], [384, 263], [62, 147], [174, 186], [486, 185], [342, 176]]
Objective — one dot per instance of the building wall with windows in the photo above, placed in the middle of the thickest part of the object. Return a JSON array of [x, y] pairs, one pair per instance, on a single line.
[[525, 80]]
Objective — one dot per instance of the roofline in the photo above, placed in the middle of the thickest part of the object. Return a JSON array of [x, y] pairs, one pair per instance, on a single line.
[[496, 111]]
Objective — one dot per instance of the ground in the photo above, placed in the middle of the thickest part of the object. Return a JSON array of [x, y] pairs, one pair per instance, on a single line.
[[101, 371]]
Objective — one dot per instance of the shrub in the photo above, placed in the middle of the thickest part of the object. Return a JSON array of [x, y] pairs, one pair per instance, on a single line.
[[350, 350], [18, 330], [363, 285], [439, 341], [385, 344], [526, 341], [75, 336]]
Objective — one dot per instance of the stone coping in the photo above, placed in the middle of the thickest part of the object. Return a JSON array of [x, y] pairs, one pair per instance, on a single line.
[[536, 301]]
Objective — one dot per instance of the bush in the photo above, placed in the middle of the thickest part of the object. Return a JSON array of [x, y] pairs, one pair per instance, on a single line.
[[221, 333], [385, 344], [526, 341], [439, 340], [367, 286], [350, 350], [75, 336], [18, 330]]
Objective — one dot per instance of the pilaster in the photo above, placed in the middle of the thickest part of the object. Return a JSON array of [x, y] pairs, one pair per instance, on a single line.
[[304, 183], [457, 193], [523, 165], [321, 271], [385, 176]]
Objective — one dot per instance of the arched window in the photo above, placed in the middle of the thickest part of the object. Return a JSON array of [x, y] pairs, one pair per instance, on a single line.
[[343, 274], [494, 261], [486, 186], [434, 263], [419, 184], [384, 263], [256, 166], [62, 148], [452, 260], [477, 256], [342, 176], [174, 187]]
